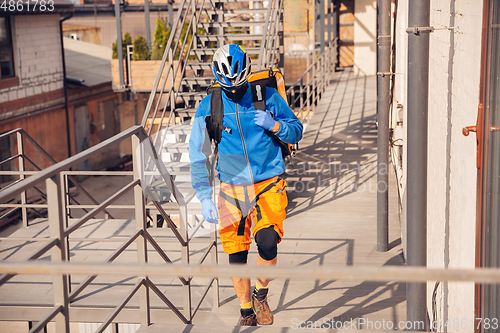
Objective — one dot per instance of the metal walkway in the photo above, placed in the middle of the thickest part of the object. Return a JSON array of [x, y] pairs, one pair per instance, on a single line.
[[331, 221]]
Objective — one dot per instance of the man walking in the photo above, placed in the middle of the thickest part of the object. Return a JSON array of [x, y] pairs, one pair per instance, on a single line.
[[249, 166]]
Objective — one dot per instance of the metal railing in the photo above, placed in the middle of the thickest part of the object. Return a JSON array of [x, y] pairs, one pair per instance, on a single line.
[[270, 36], [312, 83], [22, 173], [182, 46], [60, 230]]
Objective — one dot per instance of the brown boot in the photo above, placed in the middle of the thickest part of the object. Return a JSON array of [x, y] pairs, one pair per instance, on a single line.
[[262, 310], [250, 320]]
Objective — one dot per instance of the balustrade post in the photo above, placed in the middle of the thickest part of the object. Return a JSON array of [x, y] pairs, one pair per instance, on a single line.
[[58, 253], [24, 196], [141, 224]]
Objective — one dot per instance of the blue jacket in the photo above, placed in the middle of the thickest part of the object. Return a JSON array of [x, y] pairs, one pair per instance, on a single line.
[[247, 154]]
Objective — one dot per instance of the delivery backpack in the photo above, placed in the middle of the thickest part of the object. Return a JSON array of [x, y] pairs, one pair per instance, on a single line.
[[258, 82]]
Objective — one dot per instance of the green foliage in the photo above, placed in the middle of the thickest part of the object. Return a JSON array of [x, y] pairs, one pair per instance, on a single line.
[[162, 34], [127, 40], [141, 51]]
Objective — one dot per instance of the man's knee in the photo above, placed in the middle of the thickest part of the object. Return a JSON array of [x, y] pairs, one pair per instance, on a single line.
[[238, 257], [267, 243]]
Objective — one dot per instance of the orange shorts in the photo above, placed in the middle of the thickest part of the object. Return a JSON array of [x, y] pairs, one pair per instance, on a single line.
[[263, 202]]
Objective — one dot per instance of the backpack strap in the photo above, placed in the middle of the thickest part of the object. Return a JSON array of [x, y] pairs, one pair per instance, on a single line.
[[215, 119], [258, 95]]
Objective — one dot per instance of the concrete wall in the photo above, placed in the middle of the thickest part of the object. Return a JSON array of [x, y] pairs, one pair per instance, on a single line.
[[454, 74], [37, 53], [365, 37], [454, 69]]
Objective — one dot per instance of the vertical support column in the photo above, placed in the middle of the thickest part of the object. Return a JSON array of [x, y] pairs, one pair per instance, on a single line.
[[146, 21], [335, 28], [215, 262], [329, 22], [281, 63], [58, 253], [383, 104], [314, 30], [172, 82], [119, 46], [321, 30], [220, 18], [63, 185], [141, 224], [416, 189], [24, 197], [170, 14], [308, 63], [185, 260]]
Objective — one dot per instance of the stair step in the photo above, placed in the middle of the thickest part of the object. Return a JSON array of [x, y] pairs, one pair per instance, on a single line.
[[229, 37], [201, 80], [192, 96], [235, 24], [183, 128], [199, 65], [177, 147], [189, 112], [211, 51], [235, 11]]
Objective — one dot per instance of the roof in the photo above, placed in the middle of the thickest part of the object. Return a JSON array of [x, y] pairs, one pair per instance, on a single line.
[[87, 61]]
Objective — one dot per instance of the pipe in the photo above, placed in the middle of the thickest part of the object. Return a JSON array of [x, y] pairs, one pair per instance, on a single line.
[[65, 85], [146, 21], [418, 90], [383, 104], [321, 4], [119, 46]]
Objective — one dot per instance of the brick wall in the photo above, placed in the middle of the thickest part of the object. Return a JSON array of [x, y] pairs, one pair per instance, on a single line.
[[37, 53]]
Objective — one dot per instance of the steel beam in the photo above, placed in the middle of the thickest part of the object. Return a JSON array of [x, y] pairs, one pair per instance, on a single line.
[[58, 254], [416, 189], [383, 104], [119, 46]]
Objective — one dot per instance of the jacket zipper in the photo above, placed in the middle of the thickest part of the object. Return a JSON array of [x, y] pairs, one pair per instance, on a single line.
[[243, 141]]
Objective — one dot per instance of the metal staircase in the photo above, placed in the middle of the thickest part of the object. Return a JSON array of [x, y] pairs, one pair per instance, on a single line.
[[256, 25]]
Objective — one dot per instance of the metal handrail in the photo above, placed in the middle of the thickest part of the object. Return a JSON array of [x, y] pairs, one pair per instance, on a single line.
[[59, 244], [318, 75], [21, 133]]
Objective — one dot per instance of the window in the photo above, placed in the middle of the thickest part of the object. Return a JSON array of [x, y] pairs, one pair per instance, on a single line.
[[6, 49]]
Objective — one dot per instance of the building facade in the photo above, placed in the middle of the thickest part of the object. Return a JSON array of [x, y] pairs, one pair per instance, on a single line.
[[457, 230]]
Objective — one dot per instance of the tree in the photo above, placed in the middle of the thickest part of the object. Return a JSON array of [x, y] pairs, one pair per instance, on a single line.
[[162, 34], [127, 40], [141, 51]]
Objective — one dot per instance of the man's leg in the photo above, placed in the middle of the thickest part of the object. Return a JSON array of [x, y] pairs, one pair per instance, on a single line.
[[242, 289], [263, 282], [267, 245]]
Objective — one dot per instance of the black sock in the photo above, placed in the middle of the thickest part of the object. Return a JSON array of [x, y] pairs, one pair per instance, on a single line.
[[260, 294], [246, 312]]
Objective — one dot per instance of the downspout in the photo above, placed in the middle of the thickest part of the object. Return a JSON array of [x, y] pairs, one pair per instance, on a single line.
[[418, 94], [65, 85], [119, 46], [383, 104], [147, 25]]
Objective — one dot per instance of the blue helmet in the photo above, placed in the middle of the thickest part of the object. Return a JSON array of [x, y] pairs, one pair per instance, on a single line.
[[231, 66]]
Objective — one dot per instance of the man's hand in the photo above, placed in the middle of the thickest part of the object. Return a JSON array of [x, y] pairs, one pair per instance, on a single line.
[[207, 208], [266, 121]]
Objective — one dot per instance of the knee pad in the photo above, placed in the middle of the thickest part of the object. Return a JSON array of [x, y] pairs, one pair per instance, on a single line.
[[267, 243], [238, 257]]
